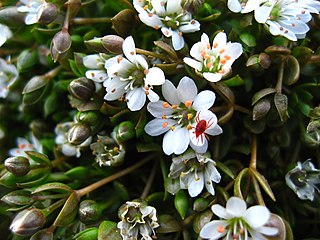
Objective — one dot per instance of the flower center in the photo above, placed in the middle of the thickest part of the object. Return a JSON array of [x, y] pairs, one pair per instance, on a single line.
[[275, 13], [213, 60]]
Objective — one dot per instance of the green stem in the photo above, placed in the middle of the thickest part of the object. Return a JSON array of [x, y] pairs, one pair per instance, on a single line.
[[81, 192], [253, 160], [82, 21], [258, 191], [280, 76], [148, 53], [150, 181]]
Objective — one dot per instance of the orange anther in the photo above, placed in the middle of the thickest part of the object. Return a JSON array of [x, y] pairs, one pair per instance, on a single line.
[[164, 117], [188, 103], [221, 229], [146, 71], [223, 61], [227, 57], [174, 106], [166, 105], [190, 116], [165, 124]]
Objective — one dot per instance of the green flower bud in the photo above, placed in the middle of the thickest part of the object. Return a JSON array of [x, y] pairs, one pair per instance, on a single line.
[[96, 45], [11, 17], [47, 13], [89, 211], [39, 128], [82, 88], [265, 60], [200, 205], [26, 60], [88, 234], [27, 222], [34, 89], [19, 166], [92, 118], [78, 134], [123, 22], [60, 44], [125, 131], [18, 197], [112, 43], [192, 5]]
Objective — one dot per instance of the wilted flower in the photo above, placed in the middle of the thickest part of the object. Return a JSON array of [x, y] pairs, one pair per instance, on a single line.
[[24, 145], [8, 75], [213, 62], [5, 33], [303, 180], [31, 8], [137, 219], [169, 16], [107, 151], [67, 148], [132, 78], [194, 171], [184, 118], [286, 17], [239, 223]]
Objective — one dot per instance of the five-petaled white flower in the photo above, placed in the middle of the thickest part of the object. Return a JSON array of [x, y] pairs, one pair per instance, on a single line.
[[243, 6], [24, 145], [193, 171], [169, 16], [32, 10], [239, 223], [131, 77], [213, 62], [303, 180], [5, 33], [8, 75], [287, 18], [184, 117]]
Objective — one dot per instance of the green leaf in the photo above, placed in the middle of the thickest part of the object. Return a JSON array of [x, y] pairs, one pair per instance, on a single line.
[[225, 169], [39, 158], [87, 234], [181, 203], [45, 173], [168, 224], [74, 68], [281, 103], [291, 70], [248, 39], [26, 60], [18, 197], [263, 182], [237, 183], [201, 219], [108, 230], [234, 81], [262, 93], [53, 186], [68, 211], [51, 104]]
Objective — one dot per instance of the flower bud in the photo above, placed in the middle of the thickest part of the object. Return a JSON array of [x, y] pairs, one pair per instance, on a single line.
[[19, 166], [200, 205], [60, 44], [89, 211], [26, 60], [27, 222], [78, 134], [82, 88], [125, 131], [74, 7], [123, 22], [261, 109], [112, 43], [96, 45], [11, 17], [92, 118], [192, 5], [34, 89], [47, 13], [265, 60]]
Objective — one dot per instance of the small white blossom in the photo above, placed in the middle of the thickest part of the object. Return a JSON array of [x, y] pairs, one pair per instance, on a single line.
[[95, 63], [287, 18], [239, 223], [5, 33], [303, 180], [61, 140], [131, 78], [213, 62], [243, 6], [8, 75], [137, 219], [194, 171], [184, 117], [32, 10], [24, 145], [169, 16]]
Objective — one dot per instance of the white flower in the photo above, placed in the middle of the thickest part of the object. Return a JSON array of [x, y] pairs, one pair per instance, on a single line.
[[194, 171], [169, 16], [287, 18], [95, 62], [213, 62], [24, 145], [5, 33], [239, 222], [8, 75], [243, 6], [132, 78], [61, 140], [31, 8], [184, 118], [137, 219], [303, 180]]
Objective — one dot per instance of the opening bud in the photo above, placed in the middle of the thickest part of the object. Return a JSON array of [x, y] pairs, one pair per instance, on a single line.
[[47, 13], [27, 222], [78, 134], [82, 88], [112, 43], [18, 166]]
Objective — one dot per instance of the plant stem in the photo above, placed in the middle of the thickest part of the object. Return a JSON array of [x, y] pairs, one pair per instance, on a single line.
[[280, 76], [148, 53], [94, 186], [150, 181], [80, 21], [253, 160]]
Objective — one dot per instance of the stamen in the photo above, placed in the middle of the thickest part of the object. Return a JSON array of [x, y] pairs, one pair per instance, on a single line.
[[113, 90], [146, 71], [92, 74], [145, 7], [156, 27], [215, 45], [193, 22], [132, 53], [174, 106], [222, 50], [227, 57], [116, 149], [209, 65], [188, 103], [150, 14], [165, 124], [172, 128], [166, 105], [223, 61], [222, 71], [164, 117], [119, 59], [189, 116], [189, 127], [180, 34]]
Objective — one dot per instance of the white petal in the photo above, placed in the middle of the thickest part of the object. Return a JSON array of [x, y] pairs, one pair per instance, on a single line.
[[97, 75], [193, 63], [152, 96], [155, 76], [212, 77], [219, 41], [181, 140], [269, 231], [256, 235], [256, 216], [261, 14], [192, 26], [214, 175], [236, 206], [214, 130], [204, 100], [69, 150], [158, 126], [166, 31], [200, 148], [210, 230], [187, 90], [196, 185], [177, 40], [197, 49], [157, 110], [234, 50], [129, 49], [234, 6], [169, 93], [151, 20], [158, 7], [220, 211], [31, 19], [115, 89], [168, 142], [136, 98], [91, 61], [251, 5], [141, 62], [173, 7], [205, 39]]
